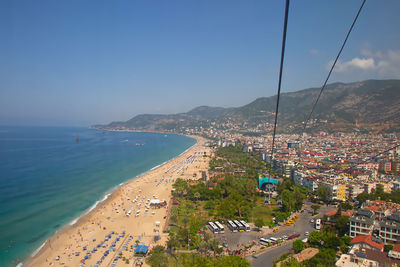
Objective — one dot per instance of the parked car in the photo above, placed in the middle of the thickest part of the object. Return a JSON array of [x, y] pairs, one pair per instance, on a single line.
[[293, 236]]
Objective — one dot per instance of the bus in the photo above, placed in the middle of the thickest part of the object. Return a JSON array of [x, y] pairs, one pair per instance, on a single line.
[[220, 227], [264, 241], [318, 224], [213, 228], [273, 239], [239, 225], [246, 226], [232, 226]]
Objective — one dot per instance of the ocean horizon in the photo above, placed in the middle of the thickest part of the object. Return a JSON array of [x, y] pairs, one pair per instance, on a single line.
[[50, 176]]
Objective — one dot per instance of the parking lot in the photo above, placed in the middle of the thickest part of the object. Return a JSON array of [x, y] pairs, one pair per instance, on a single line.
[[301, 226], [236, 240]]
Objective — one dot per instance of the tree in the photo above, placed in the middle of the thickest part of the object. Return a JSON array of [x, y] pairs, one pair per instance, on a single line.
[[331, 241], [344, 248], [315, 238], [259, 222], [174, 215], [388, 248], [342, 225], [323, 193], [347, 240], [288, 202], [298, 246], [298, 199], [158, 258], [315, 208], [196, 195], [281, 216], [345, 206], [364, 196], [172, 242], [181, 186], [291, 262], [326, 257]]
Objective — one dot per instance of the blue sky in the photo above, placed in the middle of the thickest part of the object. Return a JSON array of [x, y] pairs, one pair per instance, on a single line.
[[88, 62]]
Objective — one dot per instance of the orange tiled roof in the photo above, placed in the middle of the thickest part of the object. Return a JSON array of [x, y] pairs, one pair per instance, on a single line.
[[373, 208], [347, 213], [368, 240], [330, 213], [396, 247]]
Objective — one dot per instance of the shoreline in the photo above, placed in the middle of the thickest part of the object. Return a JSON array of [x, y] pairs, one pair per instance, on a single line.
[[87, 216]]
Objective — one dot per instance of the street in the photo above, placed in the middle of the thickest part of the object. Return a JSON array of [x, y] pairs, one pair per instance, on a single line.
[[301, 226]]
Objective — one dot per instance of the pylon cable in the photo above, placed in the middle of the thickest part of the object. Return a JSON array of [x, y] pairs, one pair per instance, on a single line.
[[333, 66], [280, 75]]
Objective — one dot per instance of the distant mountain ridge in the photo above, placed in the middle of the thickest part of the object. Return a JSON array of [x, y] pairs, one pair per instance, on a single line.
[[370, 103]]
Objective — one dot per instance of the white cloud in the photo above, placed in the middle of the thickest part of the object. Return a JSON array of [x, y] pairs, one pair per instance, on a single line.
[[355, 63], [382, 64]]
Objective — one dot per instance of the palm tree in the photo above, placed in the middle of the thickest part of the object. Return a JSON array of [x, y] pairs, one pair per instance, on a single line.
[[196, 196]]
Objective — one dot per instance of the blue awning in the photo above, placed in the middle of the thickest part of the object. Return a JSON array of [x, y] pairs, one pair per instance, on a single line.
[[141, 249]]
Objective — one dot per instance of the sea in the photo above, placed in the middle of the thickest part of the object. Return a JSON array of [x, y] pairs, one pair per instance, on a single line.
[[50, 176]]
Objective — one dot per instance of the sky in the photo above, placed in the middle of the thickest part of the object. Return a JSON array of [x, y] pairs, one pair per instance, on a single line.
[[79, 63]]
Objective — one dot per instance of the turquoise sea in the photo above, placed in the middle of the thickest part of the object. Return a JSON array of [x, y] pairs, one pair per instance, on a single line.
[[48, 177]]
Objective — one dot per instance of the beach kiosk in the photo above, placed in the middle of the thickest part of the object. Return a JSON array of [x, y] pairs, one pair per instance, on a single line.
[[141, 250]]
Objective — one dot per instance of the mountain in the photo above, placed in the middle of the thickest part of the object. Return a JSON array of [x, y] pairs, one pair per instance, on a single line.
[[367, 105]]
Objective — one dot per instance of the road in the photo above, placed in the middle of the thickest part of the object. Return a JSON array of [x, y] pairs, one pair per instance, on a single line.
[[301, 226]]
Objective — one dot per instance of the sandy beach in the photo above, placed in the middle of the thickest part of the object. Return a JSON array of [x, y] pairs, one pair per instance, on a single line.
[[131, 213]]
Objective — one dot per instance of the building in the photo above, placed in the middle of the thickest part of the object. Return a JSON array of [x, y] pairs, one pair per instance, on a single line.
[[389, 229], [337, 191], [297, 177], [366, 258], [362, 223], [385, 166], [395, 252], [380, 208], [353, 190], [366, 241], [311, 183]]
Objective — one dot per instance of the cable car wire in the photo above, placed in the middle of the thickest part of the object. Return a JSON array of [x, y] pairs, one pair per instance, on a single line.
[[280, 75]]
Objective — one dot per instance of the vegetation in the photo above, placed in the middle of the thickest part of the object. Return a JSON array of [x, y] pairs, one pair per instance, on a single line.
[[159, 258], [231, 193], [379, 193], [388, 248], [323, 193], [315, 208], [298, 246], [338, 107]]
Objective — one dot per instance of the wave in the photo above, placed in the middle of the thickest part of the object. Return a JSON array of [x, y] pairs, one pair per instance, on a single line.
[[74, 221], [159, 165], [36, 251]]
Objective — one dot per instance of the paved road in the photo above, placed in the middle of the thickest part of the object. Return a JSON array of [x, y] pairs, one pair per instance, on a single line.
[[266, 259], [301, 226]]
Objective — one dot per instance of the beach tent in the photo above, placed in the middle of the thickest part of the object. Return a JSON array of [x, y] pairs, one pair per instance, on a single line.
[[142, 249], [155, 202]]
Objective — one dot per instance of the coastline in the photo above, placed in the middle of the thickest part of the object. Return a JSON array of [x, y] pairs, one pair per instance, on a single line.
[[58, 243]]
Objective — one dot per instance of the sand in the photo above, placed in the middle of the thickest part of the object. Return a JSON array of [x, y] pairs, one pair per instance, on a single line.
[[110, 221]]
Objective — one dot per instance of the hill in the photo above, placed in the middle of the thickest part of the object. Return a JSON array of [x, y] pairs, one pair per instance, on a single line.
[[372, 105]]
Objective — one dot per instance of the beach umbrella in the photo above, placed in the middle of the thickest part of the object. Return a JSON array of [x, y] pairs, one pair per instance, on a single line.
[[94, 239], [86, 257]]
